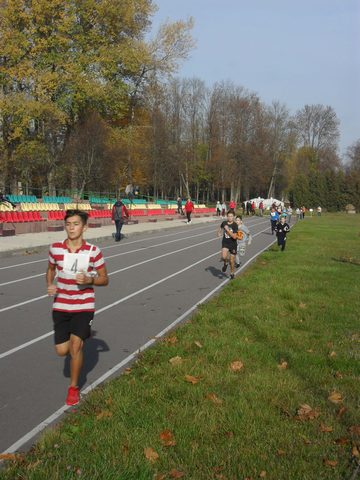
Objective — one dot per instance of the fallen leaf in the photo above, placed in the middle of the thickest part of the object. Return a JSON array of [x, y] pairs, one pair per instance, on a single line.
[[160, 476], [167, 438], [325, 429], [302, 305], [355, 430], [150, 454], [170, 340], [355, 451], [310, 350], [191, 379], [198, 344], [8, 456], [78, 471], [282, 365], [127, 371], [262, 474], [305, 412], [338, 375], [175, 360], [229, 434], [236, 366], [176, 473], [213, 398], [341, 412], [341, 441], [330, 463], [281, 452], [332, 354], [335, 397], [104, 414]]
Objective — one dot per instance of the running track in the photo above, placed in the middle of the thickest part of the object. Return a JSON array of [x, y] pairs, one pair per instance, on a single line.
[[156, 281]]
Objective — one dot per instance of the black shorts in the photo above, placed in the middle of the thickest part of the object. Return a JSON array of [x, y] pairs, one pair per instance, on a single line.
[[231, 246], [76, 323]]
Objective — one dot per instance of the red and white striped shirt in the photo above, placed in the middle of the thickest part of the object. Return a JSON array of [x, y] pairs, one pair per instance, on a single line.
[[70, 296]]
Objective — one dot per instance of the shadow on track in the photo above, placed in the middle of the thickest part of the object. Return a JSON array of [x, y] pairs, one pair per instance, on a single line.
[[215, 272], [92, 347]]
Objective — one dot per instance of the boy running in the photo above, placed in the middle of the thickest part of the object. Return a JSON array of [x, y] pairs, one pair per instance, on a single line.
[[228, 246], [282, 228], [242, 242], [274, 218], [78, 266]]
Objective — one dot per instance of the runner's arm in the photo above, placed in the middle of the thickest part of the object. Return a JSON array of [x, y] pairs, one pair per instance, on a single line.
[[101, 280], [50, 276]]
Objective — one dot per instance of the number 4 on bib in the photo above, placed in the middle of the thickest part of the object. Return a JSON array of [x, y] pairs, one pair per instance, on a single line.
[[74, 267]]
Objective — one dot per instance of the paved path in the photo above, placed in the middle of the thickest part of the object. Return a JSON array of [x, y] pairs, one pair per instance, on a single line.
[[156, 280]]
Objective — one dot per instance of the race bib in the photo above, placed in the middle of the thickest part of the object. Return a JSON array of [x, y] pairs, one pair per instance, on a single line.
[[75, 263]]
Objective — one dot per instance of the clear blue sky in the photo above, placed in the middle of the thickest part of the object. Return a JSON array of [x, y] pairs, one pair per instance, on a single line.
[[295, 51]]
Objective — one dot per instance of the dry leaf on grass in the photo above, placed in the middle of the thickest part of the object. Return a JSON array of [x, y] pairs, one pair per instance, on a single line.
[[325, 428], [171, 340], [338, 375], [167, 438], [127, 371], [198, 344], [281, 452], [282, 365], [236, 366], [160, 476], [176, 473], [8, 456], [341, 412], [330, 463], [104, 414], [213, 398], [355, 430], [302, 305], [262, 474], [355, 451], [342, 441], [332, 354], [335, 397], [151, 455], [175, 360], [305, 412], [191, 379]]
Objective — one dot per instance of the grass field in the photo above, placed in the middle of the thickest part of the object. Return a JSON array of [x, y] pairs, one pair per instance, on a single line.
[[263, 382]]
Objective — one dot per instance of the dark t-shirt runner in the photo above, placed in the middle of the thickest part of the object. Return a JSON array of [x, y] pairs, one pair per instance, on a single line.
[[227, 241]]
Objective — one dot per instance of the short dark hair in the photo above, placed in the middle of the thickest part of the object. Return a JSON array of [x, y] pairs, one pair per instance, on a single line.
[[80, 213], [239, 216], [230, 211]]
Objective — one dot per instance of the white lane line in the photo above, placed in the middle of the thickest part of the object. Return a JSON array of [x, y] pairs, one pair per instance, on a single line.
[[45, 423], [10, 307], [133, 265], [112, 246], [112, 256], [37, 339]]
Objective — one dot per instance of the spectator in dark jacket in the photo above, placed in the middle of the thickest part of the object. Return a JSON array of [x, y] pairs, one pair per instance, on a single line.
[[118, 214]]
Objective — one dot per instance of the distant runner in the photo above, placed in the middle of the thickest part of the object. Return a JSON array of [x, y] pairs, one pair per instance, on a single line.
[[229, 229], [79, 266], [244, 238], [281, 229]]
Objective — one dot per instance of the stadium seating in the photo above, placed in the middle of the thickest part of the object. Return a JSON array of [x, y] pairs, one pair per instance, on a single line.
[[99, 200], [21, 217], [22, 198], [48, 199]]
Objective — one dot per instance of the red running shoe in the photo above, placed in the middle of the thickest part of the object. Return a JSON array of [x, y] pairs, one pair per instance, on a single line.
[[73, 396]]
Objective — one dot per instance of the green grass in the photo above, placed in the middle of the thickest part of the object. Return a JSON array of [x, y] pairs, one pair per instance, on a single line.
[[300, 306]]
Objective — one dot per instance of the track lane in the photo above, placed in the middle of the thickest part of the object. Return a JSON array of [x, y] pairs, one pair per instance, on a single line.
[[121, 329]]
